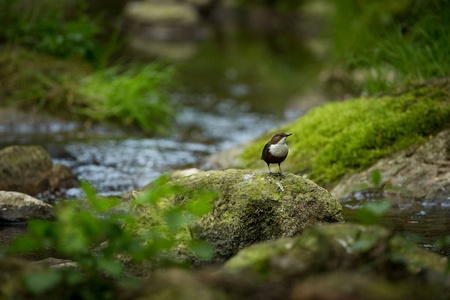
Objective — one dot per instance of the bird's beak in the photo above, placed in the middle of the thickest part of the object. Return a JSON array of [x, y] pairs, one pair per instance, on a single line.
[[289, 134]]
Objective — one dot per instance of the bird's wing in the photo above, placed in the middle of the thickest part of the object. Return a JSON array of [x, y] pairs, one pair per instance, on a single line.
[[266, 148]]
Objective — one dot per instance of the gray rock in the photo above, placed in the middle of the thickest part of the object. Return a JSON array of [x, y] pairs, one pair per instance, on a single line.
[[18, 207], [420, 172], [156, 12]]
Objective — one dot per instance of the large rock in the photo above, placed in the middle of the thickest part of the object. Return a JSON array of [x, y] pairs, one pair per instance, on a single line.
[[251, 207], [29, 169], [167, 29], [345, 261], [18, 207], [420, 172]]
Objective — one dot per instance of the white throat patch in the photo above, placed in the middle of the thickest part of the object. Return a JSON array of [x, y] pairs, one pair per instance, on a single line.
[[280, 149]]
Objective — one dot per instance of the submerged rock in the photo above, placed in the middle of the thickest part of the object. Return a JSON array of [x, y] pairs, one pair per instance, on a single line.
[[18, 207], [29, 169], [251, 207]]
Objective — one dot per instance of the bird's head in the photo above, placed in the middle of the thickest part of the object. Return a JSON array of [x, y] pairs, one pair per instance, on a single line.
[[279, 138]]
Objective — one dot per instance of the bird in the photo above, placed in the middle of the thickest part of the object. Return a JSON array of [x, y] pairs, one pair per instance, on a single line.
[[276, 151]]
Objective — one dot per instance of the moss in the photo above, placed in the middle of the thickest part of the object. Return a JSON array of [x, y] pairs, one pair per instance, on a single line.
[[340, 138]]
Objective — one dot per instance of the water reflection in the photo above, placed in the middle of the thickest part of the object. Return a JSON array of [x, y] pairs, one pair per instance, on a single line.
[[264, 71], [424, 222]]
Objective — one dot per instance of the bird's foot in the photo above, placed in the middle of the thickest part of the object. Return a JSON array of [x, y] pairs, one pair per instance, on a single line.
[[271, 175], [281, 175]]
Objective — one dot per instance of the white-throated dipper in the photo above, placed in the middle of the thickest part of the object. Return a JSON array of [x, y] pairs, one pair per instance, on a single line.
[[276, 150]]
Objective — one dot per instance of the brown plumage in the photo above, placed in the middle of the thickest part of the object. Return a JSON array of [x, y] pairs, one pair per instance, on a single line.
[[275, 151]]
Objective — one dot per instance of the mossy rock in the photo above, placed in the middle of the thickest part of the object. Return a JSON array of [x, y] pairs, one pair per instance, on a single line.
[[24, 169], [340, 247], [29, 169], [341, 137], [249, 207]]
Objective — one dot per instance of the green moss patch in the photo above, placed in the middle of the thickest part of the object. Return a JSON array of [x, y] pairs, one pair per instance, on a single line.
[[339, 138]]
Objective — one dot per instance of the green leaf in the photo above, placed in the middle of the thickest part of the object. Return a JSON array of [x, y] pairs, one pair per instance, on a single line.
[[24, 244], [40, 228], [110, 267], [40, 282], [102, 205], [175, 219], [74, 277], [89, 190], [373, 213], [375, 177], [201, 249], [202, 205], [363, 245]]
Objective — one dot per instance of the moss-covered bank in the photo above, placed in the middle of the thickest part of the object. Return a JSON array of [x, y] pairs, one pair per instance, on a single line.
[[339, 138], [72, 89]]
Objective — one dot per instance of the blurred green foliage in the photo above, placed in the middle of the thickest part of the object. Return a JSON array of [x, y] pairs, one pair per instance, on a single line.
[[386, 43], [134, 96], [61, 28], [373, 213], [98, 236]]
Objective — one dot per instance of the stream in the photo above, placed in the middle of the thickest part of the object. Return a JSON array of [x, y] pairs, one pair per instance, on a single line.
[[230, 93]]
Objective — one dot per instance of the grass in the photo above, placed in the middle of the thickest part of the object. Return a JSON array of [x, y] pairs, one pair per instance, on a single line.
[[71, 88], [382, 44], [131, 97], [339, 138]]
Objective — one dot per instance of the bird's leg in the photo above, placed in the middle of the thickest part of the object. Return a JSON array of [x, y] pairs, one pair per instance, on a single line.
[[270, 172], [279, 167]]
